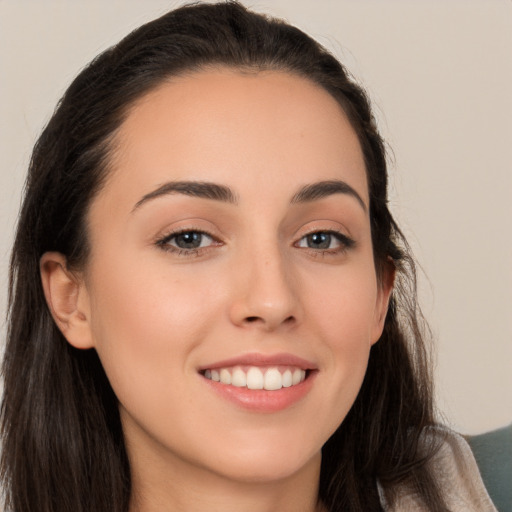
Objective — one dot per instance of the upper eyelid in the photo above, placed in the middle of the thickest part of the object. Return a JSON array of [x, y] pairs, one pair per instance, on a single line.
[[316, 229], [337, 230], [316, 226], [342, 237], [178, 233], [171, 233]]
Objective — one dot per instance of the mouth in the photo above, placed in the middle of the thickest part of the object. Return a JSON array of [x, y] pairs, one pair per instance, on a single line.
[[269, 378], [261, 383]]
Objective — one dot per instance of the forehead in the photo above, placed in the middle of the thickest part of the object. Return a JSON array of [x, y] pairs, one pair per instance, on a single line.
[[231, 126]]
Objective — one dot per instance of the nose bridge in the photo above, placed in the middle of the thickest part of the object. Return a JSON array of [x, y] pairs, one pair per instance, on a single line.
[[265, 290]]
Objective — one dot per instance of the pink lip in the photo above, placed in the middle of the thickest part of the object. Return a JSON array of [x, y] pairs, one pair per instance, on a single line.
[[262, 360], [263, 401]]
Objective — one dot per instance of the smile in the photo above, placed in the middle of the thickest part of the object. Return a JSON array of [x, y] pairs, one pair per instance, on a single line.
[[254, 377], [261, 383]]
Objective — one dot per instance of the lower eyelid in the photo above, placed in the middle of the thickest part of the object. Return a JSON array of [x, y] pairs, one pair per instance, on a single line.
[[344, 240], [164, 241]]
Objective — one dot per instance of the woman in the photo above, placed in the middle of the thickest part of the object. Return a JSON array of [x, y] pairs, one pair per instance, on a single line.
[[211, 305]]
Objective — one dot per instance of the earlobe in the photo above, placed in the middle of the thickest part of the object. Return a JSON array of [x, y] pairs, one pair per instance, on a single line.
[[385, 285], [67, 299]]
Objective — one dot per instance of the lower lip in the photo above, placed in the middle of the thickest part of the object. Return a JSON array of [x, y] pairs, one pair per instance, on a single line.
[[261, 400]]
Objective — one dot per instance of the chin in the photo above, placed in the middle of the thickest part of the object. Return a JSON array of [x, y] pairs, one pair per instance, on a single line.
[[266, 460], [266, 468]]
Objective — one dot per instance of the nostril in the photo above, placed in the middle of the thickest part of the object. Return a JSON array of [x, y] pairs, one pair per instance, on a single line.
[[256, 319]]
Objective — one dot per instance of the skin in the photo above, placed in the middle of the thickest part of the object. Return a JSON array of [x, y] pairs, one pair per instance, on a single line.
[[155, 315]]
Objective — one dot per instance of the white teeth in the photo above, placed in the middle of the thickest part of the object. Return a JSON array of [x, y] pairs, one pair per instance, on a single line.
[[273, 379], [254, 378], [296, 377], [270, 379], [238, 378], [225, 376], [287, 379]]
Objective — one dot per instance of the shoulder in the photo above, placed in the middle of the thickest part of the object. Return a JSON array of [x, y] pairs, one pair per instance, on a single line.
[[456, 471], [458, 474]]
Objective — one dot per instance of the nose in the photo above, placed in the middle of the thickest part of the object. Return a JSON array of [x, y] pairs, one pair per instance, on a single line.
[[265, 293]]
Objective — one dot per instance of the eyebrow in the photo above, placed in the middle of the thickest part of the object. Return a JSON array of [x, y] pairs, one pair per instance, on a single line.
[[201, 189], [323, 189], [217, 192]]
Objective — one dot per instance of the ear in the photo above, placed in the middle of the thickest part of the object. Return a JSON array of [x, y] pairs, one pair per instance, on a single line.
[[67, 298], [385, 287]]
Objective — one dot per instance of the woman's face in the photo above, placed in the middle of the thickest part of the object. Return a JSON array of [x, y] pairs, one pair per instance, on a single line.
[[232, 240]]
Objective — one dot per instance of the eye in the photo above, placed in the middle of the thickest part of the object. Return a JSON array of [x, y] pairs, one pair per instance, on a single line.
[[191, 240], [325, 240], [186, 241]]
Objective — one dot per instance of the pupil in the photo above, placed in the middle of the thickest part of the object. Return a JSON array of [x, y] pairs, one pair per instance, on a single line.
[[319, 240], [189, 240]]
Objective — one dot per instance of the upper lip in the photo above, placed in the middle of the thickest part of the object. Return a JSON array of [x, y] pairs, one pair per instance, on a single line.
[[255, 359]]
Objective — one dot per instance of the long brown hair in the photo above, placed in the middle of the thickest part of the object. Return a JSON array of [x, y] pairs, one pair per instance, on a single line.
[[63, 442]]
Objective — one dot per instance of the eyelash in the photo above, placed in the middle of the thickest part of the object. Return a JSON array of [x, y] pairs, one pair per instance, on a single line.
[[164, 243], [346, 243]]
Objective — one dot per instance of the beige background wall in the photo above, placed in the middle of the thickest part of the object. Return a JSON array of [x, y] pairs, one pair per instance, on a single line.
[[440, 75]]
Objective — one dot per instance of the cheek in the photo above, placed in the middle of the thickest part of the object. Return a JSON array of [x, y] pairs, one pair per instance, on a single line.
[[344, 306], [146, 322], [342, 314]]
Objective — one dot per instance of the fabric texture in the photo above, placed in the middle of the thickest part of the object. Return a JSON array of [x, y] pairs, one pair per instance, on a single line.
[[457, 471], [493, 454]]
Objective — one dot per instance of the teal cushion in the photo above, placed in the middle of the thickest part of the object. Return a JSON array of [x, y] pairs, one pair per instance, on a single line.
[[493, 454]]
